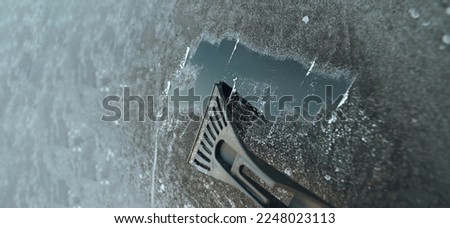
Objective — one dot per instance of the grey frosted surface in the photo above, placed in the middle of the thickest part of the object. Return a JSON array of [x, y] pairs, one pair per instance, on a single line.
[[58, 59]]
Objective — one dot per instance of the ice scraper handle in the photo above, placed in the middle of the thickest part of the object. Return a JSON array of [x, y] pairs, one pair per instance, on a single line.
[[249, 171]]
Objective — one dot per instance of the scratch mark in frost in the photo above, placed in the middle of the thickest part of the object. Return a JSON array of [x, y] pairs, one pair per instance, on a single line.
[[309, 71], [155, 159], [231, 202], [312, 65], [166, 91], [185, 128], [345, 96], [183, 63], [232, 53], [234, 85], [217, 199], [233, 90]]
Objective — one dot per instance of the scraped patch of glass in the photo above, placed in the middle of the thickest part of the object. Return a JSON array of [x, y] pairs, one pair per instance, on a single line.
[[266, 77]]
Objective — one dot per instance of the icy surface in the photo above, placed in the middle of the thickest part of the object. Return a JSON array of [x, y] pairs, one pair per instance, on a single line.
[[58, 59]]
